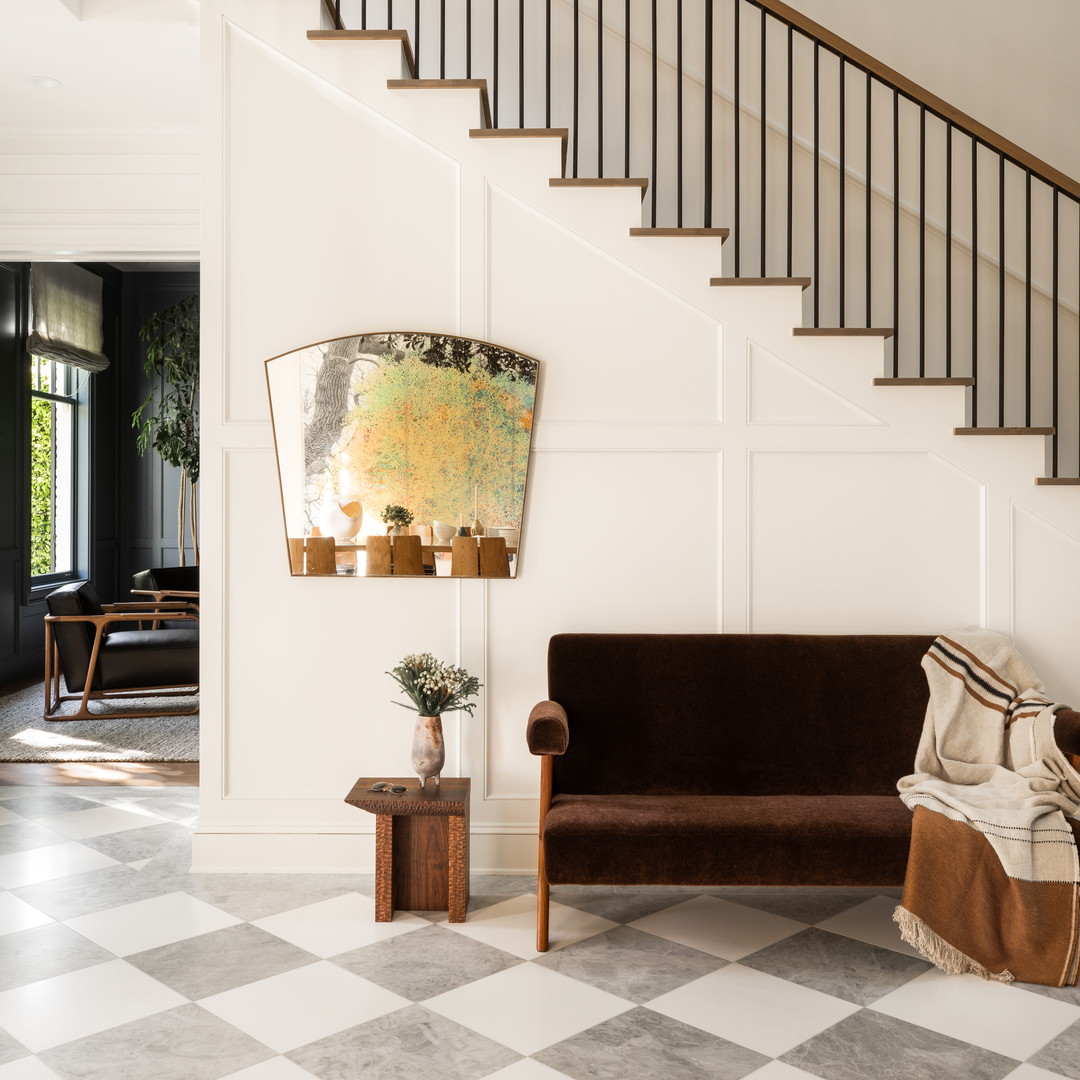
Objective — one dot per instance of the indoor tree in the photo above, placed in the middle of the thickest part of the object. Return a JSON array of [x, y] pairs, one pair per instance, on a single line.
[[168, 420]]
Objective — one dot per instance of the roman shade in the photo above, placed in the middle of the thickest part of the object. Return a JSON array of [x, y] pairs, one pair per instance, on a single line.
[[66, 304]]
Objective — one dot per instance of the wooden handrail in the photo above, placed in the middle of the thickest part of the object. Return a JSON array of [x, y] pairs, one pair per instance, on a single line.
[[920, 94]]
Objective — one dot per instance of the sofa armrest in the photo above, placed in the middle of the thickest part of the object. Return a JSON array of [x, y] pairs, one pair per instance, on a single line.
[[548, 731], [1067, 731]]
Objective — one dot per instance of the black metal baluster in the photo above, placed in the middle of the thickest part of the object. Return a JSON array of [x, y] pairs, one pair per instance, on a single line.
[[948, 248], [763, 130], [842, 254], [896, 232], [869, 201], [468, 39], [495, 65], [521, 63], [626, 89], [736, 156], [653, 169], [363, 14], [922, 241], [790, 146], [576, 82], [975, 279], [1027, 301], [817, 185], [1001, 290], [1054, 345], [708, 180], [416, 33], [338, 24], [599, 87], [390, 18], [547, 64], [678, 114], [442, 39]]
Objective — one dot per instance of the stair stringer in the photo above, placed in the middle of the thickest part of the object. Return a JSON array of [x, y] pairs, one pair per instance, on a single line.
[[654, 503]]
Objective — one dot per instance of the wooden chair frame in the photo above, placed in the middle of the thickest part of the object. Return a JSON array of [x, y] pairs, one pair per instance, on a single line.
[[113, 613]]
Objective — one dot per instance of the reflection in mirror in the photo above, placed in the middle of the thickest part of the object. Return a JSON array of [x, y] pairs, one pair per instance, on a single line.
[[403, 454]]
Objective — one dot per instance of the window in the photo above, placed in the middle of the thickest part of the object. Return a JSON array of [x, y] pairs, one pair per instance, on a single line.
[[58, 400]]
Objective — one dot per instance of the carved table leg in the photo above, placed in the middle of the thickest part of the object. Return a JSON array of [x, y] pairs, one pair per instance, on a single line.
[[458, 869], [384, 867]]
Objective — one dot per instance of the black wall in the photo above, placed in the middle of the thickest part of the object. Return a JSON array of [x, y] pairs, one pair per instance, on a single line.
[[132, 499]]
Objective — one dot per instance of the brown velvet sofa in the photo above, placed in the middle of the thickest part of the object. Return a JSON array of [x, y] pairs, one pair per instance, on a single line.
[[729, 759]]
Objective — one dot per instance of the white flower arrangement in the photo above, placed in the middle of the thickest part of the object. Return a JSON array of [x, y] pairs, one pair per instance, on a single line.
[[434, 687]]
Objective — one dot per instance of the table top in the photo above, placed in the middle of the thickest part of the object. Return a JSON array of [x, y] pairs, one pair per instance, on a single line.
[[450, 797]]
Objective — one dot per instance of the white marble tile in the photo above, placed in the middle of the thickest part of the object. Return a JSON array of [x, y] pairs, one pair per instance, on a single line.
[[992, 1015], [48, 863], [147, 924], [54, 1011], [27, 1069], [339, 925], [753, 1009], [8, 816], [138, 864], [527, 1007], [871, 922], [79, 824], [16, 914], [278, 1068], [779, 1070], [719, 927], [511, 926], [300, 1006], [526, 1069]]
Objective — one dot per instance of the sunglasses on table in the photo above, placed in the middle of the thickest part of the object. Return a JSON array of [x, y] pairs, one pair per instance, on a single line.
[[385, 785]]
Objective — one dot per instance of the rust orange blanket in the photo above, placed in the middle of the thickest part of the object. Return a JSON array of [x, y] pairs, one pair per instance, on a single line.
[[993, 879]]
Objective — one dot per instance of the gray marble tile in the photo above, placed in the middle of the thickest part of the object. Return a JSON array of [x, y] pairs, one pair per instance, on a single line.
[[631, 964], [44, 951], [27, 835], [643, 1045], [186, 1043], [10, 1049], [426, 962], [808, 905], [869, 1044], [255, 896], [1068, 994], [167, 804], [618, 904], [1062, 1055], [97, 890], [404, 1045], [220, 960], [45, 804], [150, 842], [837, 965]]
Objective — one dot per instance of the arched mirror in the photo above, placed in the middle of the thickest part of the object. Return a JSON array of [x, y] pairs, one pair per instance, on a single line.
[[403, 454]]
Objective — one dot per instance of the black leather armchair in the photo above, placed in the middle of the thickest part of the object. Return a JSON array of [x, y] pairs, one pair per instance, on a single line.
[[105, 654]]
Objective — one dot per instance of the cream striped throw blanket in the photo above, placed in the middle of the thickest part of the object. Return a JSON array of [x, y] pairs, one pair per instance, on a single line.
[[992, 878]]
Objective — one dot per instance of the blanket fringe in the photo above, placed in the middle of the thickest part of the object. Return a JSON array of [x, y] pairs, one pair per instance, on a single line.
[[939, 952]]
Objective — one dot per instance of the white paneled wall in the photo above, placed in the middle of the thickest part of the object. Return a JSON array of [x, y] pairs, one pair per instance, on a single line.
[[695, 466]]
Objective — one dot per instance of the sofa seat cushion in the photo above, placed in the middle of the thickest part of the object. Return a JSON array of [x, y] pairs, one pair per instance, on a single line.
[[137, 658], [726, 840]]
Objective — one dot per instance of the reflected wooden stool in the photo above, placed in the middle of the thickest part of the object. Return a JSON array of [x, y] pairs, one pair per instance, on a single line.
[[421, 845]]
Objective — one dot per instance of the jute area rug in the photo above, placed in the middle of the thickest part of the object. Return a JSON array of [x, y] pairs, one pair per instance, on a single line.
[[26, 736]]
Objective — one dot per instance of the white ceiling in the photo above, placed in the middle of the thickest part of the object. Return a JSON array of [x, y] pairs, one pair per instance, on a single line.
[[119, 62]]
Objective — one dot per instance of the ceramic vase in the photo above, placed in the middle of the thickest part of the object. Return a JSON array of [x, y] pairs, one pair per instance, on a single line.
[[428, 751]]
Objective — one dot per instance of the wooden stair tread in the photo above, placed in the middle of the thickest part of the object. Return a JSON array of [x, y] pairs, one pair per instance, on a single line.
[[524, 133], [802, 282], [1058, 480], [843, 331], [601, 182], [447, 84], [957, 381], [368, 35], [721, 233], [1003, 431]]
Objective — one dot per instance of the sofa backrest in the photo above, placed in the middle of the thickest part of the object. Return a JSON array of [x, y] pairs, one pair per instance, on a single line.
[[74, 640], [738, 714], [160, 578]]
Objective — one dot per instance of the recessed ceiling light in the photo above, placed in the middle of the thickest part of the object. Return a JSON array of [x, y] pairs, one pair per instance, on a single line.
[[44, 82]]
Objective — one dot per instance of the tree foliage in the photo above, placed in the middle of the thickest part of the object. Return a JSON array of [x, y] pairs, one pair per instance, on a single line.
[[41, 486]]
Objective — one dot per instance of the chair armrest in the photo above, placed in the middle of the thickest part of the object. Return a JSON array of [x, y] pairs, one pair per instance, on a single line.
[[142, 615], [1067, 730], [149, 606], [548, 731]]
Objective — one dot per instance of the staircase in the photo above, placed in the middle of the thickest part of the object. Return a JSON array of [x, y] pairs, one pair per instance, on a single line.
[[957, 255]]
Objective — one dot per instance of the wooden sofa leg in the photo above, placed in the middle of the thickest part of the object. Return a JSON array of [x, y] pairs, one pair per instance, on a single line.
[[543, 902]]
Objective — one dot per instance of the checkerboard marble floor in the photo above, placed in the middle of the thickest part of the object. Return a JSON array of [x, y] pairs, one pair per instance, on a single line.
[[115, 962]]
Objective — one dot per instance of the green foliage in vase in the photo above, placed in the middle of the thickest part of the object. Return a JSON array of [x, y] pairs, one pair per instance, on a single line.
[[41, 487], [434, 687], [397, 515]]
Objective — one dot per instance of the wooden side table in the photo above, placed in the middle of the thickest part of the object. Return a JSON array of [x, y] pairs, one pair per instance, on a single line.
[[421, 845]]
